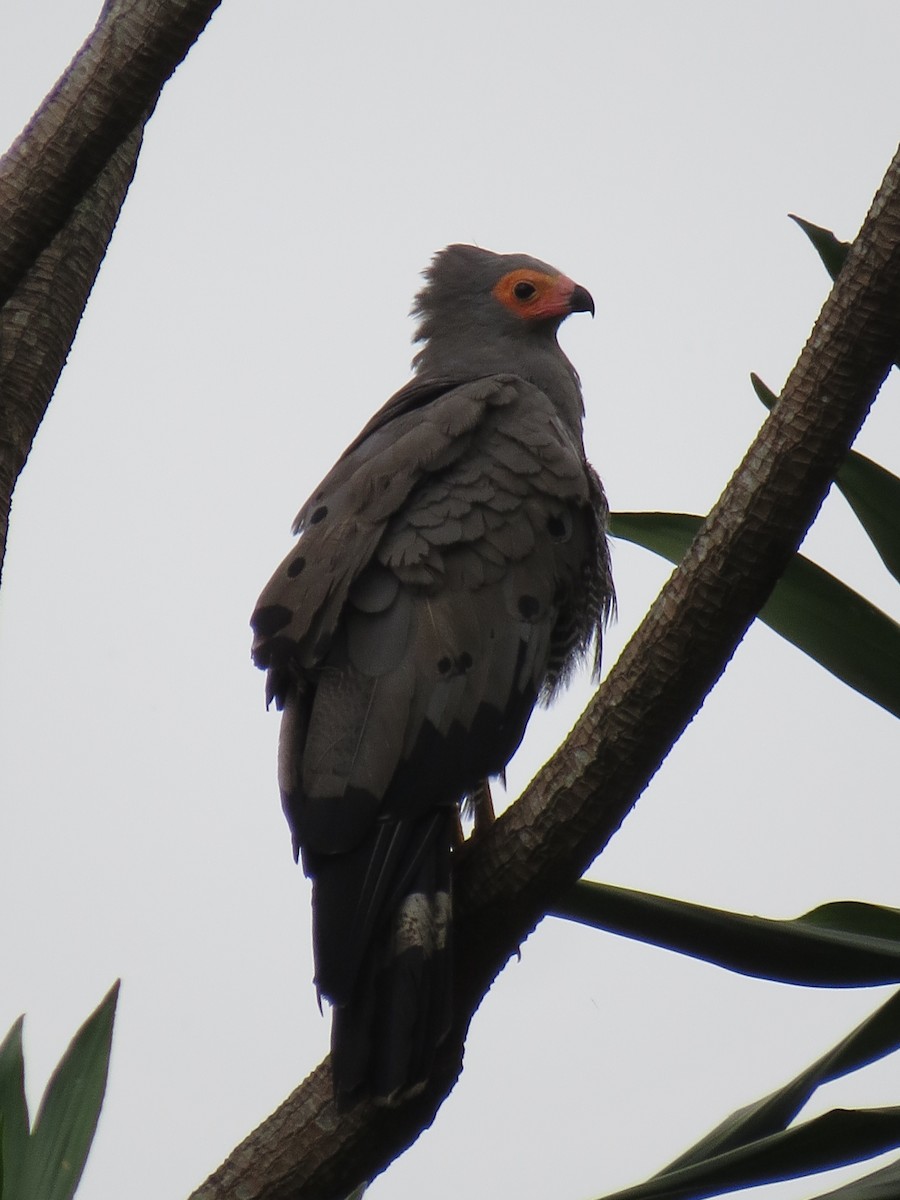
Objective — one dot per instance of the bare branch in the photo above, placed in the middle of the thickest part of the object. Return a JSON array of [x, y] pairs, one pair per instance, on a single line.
[[62, 184], [38, 323], [111, 83], [509, 878]]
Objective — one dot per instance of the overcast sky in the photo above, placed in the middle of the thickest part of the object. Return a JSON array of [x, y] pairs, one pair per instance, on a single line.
[[300, 170]]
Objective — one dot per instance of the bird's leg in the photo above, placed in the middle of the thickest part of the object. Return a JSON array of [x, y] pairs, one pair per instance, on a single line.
[[458, 835], [482, 806]]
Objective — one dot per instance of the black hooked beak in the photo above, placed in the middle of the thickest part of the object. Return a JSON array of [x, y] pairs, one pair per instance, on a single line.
[[581, 300]]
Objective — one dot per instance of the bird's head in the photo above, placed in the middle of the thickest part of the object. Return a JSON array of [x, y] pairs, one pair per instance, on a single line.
[[477, 306]]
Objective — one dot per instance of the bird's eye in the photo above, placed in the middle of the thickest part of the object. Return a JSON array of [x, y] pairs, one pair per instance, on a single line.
[[524, 290]]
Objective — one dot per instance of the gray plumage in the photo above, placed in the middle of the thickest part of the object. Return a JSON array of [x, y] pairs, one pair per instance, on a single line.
[[451, 569]]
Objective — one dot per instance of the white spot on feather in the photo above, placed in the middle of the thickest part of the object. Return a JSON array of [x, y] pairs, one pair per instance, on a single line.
[[422, 923]]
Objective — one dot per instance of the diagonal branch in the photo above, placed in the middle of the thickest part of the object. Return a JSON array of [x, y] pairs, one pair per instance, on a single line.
[[111, 83], [506, 881], [62, 185], [38, 322]]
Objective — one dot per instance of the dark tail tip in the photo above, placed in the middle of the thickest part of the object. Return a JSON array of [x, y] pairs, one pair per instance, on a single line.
[[384, 1041]]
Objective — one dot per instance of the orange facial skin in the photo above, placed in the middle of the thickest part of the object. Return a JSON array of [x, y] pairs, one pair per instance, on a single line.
[[534, 295]]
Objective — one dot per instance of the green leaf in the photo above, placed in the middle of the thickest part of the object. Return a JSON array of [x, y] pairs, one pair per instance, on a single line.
[[877, 1036], [764, 393], [13, 1110], [832, 1140], [855, 916], [839, 628], [823, 617], [872, 492], [831, 251], [842, 943], [754, 1145], [68, 1114], [874, 495], [838, 945], [880, 1185]]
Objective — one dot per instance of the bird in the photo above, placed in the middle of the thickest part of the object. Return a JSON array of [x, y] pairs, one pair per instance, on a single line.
[[450, 572]]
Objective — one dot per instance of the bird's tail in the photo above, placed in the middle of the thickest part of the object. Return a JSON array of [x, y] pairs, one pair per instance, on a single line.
[[385, 1036]]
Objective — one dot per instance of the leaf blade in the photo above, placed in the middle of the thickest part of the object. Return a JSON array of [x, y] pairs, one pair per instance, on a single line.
[[883, 1184], [835, 1139], [840, 945], [824, 618], [67, 1118], [623, 911], [871, 491], [874, 495], [829, 248], [13, 1109]]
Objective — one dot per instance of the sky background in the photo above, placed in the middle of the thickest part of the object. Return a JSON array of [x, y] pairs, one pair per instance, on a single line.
[[301, 168]]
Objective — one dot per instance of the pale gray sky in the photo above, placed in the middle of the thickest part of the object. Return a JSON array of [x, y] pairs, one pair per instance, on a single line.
[[300, 170]]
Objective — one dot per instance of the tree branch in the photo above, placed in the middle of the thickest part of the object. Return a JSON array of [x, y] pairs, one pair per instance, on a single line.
[[62, 185], [38, 323], [111, 83], [507, 881]]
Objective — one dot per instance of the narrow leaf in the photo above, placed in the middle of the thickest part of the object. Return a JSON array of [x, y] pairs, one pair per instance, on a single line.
[[871, 491], [883, 1184], [855, 916], [831, 251], [874, 495], [68, 1114], [876, 1037], [824, 618], [840, 629], [13, 1109], [863, 940], [839, 945], [764, 393], [832, 1140]]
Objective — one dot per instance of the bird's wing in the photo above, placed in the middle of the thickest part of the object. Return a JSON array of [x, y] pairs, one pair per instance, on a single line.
[[449, 571], [438, 583], [419, 429]]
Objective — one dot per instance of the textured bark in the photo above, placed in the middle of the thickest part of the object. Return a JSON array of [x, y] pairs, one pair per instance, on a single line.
[[110, 84], [62, 184], [38, 322], [511, 876]]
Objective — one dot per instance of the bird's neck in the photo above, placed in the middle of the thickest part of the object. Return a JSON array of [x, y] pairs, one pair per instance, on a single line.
[[541, 363]]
